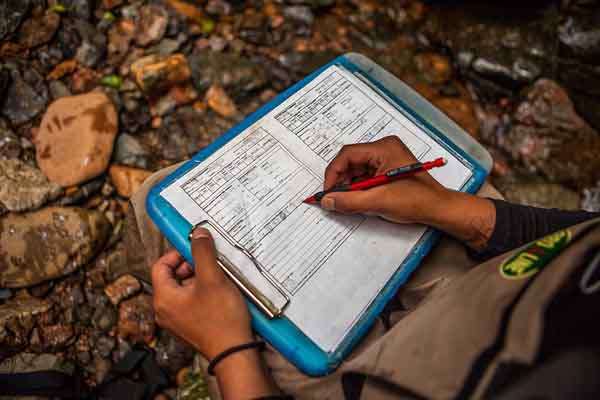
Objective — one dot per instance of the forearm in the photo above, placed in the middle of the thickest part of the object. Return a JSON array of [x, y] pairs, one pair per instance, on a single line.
[[242, 376]]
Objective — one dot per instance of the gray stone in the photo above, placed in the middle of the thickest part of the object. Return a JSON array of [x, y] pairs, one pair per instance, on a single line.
[[151, 24], [23, 187], [10, 146], [591, 199], [79, 8], [172, 353], [299, 13], [26, 97], [29, 362], [58, 89], [88, 54], [45, 244], [11, 14], [129, 151], [104, 346]]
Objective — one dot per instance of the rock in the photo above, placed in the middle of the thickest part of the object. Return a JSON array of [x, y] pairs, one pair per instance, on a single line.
[[538, 194], [79, 194], [11, 14], [17, 317], [5, 294], [154, 74], [151, 25], [104, 346], [23, 187], [29, 362], [75, 139], [301, 14], [88, 54], [26, 97], [591, 199], [579, 34], [39, 30], [186, 9], [82, 9], [547, 133], [49, 243], [129, 151], [136, 319], [127, 180], [110, 4], [58, 90], [55, 337], [10, 146], [83, 80], [220, 102], [435, 68], [172, 353], [120, 36], [101, 367], [64, 68], [236, 74], [194, 386], [104, 320], [124, 287]]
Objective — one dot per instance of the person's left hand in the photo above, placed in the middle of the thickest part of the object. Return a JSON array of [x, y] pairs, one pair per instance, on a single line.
[[202, 307]]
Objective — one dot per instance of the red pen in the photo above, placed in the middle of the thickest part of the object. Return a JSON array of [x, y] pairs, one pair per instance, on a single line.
[[390, 176]]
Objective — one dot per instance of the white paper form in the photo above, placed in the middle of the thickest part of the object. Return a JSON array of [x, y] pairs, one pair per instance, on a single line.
[[330, 266]]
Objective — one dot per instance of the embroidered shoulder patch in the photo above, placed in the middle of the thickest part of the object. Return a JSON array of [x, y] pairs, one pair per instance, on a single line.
[[535, 256]]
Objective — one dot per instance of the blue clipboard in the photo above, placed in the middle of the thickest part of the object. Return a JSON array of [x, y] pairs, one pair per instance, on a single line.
[[280, 332]]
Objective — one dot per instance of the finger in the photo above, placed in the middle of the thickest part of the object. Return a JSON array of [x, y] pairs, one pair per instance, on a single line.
[[184, 271], [205, 257], [163, 271], [355, 157], [348, 202]]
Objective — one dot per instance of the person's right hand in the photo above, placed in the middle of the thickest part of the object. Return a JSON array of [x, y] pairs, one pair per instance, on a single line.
[[412, 199], [415, 199]]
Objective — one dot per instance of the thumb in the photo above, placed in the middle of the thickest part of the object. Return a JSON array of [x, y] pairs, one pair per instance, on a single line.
[[205, 257], [347, 202]]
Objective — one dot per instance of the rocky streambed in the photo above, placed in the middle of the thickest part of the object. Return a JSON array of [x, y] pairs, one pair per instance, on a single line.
[[96, 95]]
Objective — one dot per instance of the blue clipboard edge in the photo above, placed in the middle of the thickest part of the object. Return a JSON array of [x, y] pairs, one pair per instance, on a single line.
[[281, 333]]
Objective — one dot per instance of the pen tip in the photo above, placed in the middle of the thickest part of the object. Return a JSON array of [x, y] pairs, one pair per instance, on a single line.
[[310, 200]]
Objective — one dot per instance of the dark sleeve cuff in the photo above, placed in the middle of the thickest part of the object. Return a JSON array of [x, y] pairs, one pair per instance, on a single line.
[[517, 225]]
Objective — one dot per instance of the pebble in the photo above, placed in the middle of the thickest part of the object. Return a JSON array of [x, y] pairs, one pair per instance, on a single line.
[[121, 289], [23, 187], [57, 336], [127, 180], [104, 346], [58, 89], [120, 36], [151, 24], [88, 54], [48, 243], [101, 367], [154, 74], [75, 139], [26, 97], [136, 319], [435, 68], [129, 151], [591, 199], [301, 14], [64, 68], [18, 315], [186, 9], [10, 146], [11, 15], [39, 29], [220, 102], [172, 353]]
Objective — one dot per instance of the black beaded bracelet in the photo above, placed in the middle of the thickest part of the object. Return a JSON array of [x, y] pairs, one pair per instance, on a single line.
[[252, 345]]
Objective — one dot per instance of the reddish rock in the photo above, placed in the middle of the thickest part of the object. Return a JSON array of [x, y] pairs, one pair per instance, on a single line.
[[75, 139], [39, 29], [151, 25], [136, 319], [127, 180], [56, 336], [220, 102], [153, 74], [124, 287], [62, 69]]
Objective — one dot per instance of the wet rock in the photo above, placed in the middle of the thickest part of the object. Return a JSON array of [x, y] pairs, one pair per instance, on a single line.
[[591, 199], [172, 353], [104, 346], [136, 319], [154, 74], [45, 244], [547, 133], [75, 139], [10, 146], [17, 317], [11, 15], [124, 287], [509, 47], [26, 97], [39, 29], [127, 180], [57, 336], [23, 187], [58, 90], [236, 74], [151, 25], [129, 151], [220, 102], [81, 9], [538, 194], [79, 194], [301, 14], [120, 36]]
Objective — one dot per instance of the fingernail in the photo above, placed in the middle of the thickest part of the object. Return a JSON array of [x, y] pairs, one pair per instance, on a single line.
[[328, 203], [200, 233]]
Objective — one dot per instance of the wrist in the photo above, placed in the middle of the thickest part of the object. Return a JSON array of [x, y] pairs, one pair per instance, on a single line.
[[242, 375]]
